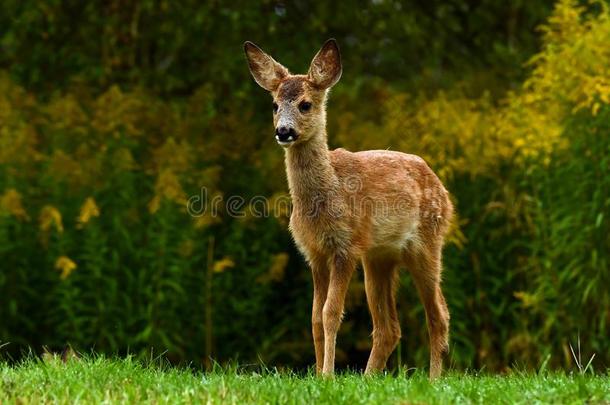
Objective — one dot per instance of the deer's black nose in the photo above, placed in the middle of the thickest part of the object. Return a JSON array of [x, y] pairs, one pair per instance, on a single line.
[[285, 134]]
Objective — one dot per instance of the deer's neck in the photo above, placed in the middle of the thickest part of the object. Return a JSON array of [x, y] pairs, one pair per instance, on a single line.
[[310, 173]]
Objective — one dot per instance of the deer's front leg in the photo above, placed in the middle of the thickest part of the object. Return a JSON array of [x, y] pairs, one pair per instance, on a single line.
[[320, 273], [340, 275]]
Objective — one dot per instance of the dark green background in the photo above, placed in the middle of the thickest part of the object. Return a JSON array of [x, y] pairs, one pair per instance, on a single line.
[[133, 290]]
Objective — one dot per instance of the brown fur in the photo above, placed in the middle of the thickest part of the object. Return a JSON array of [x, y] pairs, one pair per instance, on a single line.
[[291, 88], [382, 208], [266, 71]]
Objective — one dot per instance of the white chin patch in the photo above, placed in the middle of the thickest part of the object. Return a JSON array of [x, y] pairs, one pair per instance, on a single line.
[[286, 143]]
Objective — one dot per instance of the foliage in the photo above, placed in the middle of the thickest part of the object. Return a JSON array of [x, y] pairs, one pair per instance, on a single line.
[[177, 46], [99, 157]]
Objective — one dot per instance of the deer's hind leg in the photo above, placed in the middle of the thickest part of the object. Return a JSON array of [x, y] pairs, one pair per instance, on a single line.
[[425, 268], [380, 275]]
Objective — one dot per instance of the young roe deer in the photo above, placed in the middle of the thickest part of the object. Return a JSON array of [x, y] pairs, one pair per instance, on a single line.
[[386, 209]]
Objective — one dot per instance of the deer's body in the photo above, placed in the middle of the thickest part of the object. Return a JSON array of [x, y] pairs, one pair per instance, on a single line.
[[382, 208], [374, 200]]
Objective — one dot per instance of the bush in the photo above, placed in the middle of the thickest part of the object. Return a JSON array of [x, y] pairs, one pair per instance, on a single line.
[[98, 249]]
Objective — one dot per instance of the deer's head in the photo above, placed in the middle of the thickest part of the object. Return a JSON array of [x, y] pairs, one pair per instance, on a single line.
[[299, 101]]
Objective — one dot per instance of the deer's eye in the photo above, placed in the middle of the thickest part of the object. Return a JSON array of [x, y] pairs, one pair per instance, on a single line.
[[304, 106], [275, 107]]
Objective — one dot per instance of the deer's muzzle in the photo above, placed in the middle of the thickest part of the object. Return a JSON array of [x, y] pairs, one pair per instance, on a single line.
[[285, 136]]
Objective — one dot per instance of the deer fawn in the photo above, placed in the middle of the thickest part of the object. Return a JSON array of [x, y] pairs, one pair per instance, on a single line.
[[386, 209]]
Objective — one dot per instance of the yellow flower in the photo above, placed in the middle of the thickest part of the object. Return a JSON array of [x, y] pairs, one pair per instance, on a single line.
[[277, 269], [206, 220], [527, 300], [10, 202], [65, 265], [88, 210], [167, 187], [50, 217], [223, 264]]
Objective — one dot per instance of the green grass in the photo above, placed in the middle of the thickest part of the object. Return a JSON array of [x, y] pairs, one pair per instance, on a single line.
[[128, 381]]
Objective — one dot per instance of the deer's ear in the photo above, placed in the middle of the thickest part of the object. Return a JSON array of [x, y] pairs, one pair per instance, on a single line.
[[266, 71], [325, 69]]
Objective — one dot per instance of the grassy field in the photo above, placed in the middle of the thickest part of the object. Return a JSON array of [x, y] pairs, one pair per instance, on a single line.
[[128, 381]]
